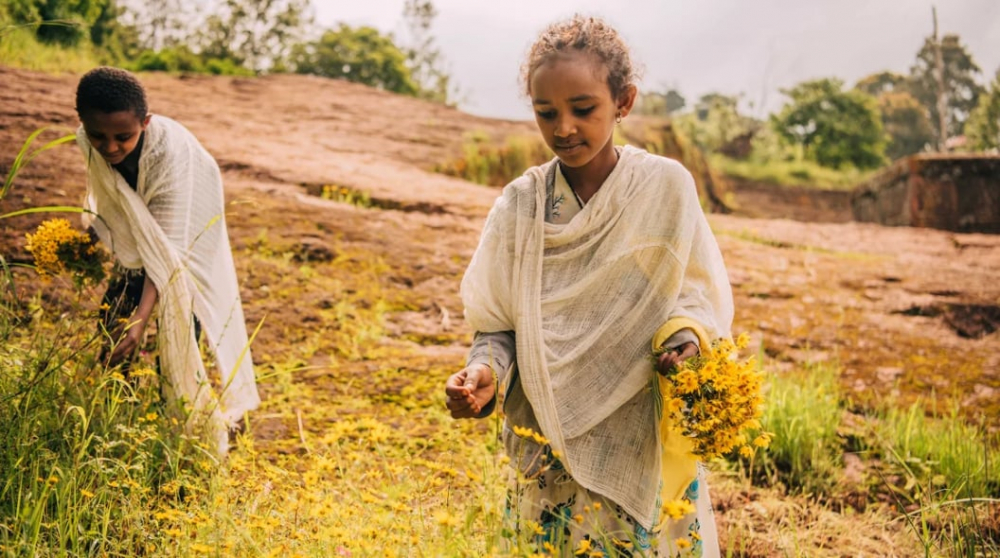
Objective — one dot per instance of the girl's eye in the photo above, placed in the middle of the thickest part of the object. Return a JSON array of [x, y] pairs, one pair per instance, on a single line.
[[547, 115], [583, 111], [95, 135], [123, 137]]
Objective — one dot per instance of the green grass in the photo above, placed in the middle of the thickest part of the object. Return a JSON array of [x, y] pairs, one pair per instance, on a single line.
[[805, 174], [803, 411], [20, 49]]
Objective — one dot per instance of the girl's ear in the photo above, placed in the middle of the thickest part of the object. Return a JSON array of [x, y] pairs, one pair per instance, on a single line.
[[627, 100], [145, 121]]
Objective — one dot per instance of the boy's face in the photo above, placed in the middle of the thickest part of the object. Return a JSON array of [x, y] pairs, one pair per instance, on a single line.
[[113, 134], [574, 108]]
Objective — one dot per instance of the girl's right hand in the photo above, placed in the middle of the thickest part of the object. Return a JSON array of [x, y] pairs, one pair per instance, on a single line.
[[469, 391]]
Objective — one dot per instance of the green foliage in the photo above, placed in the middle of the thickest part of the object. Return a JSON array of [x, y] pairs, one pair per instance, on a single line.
[[960, 81], [882, 82], [788, 172], [181, 59], [715, 122], [255, 34], [655, 103], [361, 55], [906, 122], [59, 36], [983, 126], [20, 47], [835, 127]]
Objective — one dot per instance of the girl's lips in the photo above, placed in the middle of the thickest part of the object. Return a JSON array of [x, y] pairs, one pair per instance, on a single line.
[[566, 148]]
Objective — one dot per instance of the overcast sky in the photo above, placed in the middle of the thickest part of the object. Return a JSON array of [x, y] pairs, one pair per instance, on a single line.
[[754, 47]]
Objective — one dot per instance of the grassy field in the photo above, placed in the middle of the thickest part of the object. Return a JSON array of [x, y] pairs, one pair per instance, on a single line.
[[354, 454]]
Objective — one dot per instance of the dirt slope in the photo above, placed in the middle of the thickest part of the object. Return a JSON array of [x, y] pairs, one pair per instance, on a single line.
[[903, 310]]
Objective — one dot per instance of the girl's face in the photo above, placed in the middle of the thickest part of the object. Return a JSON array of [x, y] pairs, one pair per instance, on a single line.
[[574, 108], [113, 134]]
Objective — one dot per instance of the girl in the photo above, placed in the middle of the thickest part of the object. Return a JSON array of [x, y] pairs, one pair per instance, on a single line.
[[582, 263], [155, 198]]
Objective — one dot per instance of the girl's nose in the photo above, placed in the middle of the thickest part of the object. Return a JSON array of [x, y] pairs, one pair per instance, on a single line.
[[565, 127]]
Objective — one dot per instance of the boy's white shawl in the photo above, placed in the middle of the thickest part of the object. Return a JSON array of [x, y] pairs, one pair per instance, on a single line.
[[173, 226], [585, 299]]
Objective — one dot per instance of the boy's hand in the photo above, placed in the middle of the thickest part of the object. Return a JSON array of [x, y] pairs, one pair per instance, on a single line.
[[469, 391], [127, 341], [670, 359]]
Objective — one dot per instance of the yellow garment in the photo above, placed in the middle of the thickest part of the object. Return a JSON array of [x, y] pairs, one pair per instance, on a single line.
[[678, 465]]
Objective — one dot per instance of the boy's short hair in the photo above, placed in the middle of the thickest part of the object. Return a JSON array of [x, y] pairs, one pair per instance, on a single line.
[[106, 89]]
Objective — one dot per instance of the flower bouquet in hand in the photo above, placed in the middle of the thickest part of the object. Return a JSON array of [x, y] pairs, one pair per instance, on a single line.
[[57, 248], [714, 399]]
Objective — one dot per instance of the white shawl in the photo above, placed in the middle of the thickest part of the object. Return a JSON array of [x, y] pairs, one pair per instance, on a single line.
[[173, 226], [585, 299]]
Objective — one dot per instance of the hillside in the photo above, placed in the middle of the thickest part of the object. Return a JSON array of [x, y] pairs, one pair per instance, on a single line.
[[904, 312]]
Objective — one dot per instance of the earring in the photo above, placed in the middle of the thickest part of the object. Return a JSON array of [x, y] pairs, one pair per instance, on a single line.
[[618, 118]]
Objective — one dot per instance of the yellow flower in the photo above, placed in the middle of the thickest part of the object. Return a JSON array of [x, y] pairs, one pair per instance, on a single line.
[[746, 451], [686, 382], [86, 493], [676, 509], [583, 547], [446, 519], [683, 543], [578, 518]]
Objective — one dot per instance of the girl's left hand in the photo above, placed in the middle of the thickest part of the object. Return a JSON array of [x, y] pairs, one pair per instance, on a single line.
[[669, 360]]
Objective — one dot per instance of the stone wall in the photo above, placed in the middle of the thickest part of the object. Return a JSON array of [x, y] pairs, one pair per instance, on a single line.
[[951, 192]]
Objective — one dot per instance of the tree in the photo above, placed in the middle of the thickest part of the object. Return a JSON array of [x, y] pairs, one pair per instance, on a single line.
[[256, 34], [655, 103], [835, 127], [906, 122], [882, 82], [983, 126], [64, 22], [715, 122], [161, 23], [423, 58], [361, 55], [959, 79], [904, 118]]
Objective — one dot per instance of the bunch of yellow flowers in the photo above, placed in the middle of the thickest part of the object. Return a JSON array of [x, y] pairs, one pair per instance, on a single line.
[[57, 248], [715, 400]]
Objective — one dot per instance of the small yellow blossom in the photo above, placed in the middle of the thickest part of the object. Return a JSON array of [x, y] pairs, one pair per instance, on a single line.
[[583, 548], [683, 543], [86, 493], [676, 509], [446, 519]]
